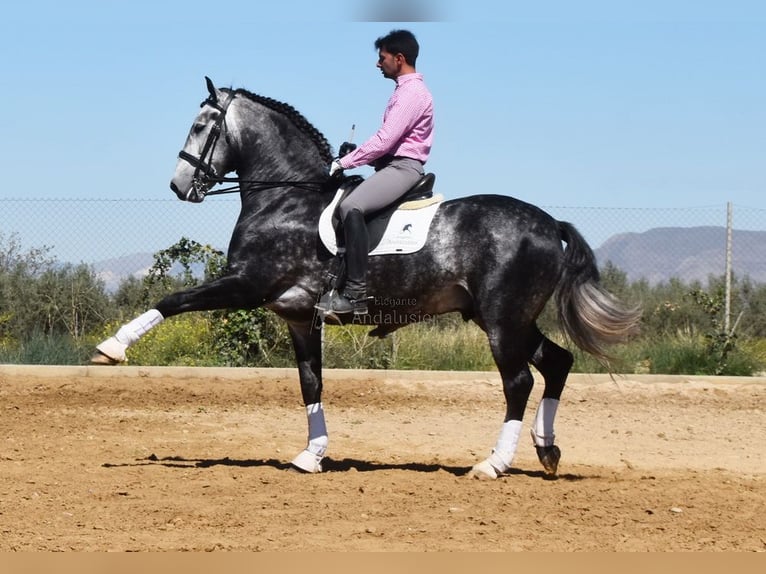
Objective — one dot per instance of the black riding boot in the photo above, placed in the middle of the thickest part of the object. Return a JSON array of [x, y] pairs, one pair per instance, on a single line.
[[353, 296]]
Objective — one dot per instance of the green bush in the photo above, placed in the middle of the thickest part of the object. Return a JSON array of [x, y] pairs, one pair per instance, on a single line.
[[252, 337], [350, 347], [456, 346], [756, 350], [431, 345], [682, 354], [42, 349], [40, 296], [54, 314]]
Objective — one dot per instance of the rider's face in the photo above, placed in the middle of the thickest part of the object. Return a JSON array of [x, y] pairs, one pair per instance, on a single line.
[[390, 65]]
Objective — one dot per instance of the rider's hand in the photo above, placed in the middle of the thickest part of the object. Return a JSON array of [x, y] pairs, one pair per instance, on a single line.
[[346, 148], [335, 167]]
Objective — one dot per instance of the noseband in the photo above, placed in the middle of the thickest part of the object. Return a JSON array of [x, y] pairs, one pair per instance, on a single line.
[[205, 174]]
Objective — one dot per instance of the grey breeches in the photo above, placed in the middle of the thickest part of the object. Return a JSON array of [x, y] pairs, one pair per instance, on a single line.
[[383, 187]]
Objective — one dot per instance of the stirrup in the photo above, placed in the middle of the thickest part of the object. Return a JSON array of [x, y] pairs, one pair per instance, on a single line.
[[360, 305], [358, 301], [334, 303], [325, 300]]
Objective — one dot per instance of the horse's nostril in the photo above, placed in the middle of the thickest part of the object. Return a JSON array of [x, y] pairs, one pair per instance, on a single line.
[[175, 190]]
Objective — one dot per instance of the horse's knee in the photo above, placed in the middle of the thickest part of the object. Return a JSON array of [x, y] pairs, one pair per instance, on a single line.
[[169, 304], [517, 391]]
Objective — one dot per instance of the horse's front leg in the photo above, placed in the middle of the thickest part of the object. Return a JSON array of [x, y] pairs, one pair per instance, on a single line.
[[227, 292], [307, 342]]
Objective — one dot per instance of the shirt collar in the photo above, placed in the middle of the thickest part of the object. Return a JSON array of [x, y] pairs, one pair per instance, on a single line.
[[407, 77]]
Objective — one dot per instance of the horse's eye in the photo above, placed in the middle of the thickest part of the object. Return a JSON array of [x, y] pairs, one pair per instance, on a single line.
[[197, 128]]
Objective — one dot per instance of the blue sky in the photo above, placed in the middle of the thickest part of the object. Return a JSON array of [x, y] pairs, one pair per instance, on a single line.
[[603, 104]]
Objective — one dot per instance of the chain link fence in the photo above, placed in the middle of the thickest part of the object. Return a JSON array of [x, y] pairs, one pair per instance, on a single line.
[[119, 237]]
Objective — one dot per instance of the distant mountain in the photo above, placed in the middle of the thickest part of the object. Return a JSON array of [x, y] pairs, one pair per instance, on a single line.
[[687, 253], [113, 271]]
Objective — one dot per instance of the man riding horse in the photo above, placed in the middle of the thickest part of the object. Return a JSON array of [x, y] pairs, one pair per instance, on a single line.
[[397, 151]]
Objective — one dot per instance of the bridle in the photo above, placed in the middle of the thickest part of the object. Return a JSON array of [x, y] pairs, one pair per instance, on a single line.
[[206, 176]]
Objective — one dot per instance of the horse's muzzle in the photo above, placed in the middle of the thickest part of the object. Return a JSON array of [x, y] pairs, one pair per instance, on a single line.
[[177, 191], [195, 194]]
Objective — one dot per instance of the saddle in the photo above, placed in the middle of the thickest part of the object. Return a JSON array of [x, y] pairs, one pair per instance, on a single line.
[[419, 196], [399, 228]]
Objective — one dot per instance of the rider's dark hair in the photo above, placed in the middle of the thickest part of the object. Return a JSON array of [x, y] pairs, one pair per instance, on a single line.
[[400, 42]]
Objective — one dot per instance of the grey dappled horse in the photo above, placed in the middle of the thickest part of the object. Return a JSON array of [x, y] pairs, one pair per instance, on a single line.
[[493, 258]]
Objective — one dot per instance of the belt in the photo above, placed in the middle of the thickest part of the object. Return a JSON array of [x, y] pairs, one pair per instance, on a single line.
[[383, 161]]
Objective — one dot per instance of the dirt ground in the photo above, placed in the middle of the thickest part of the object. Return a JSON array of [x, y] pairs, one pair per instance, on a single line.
[[134, 459]]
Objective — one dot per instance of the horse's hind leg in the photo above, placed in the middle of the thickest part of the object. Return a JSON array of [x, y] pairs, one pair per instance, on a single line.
[[554, 363], [511, 349]]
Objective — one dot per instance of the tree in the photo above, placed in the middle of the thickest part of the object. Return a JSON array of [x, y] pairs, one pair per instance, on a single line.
[[750, 300], [720, 341], [40, 296]]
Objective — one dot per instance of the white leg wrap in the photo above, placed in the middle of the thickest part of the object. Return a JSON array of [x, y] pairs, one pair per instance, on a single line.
[[505, 448], [310, 459], [317, 429], [138, 327], [502, 455], [542, 428]]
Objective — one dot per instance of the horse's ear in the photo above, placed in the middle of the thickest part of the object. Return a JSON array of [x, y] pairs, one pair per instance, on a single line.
[[211, 88]]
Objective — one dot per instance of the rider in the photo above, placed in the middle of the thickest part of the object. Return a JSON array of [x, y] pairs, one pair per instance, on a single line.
[[397, 151]]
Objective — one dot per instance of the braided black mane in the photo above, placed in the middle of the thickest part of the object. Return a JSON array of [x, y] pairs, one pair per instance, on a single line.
[[296, 117]]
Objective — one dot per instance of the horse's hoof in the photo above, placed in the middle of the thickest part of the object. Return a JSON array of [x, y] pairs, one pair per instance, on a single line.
[[307, 462], [111, 350], [549, 457], [100, 358], [483, 471]]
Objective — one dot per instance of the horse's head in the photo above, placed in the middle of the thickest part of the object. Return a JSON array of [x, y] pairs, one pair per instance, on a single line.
[[206, 156]]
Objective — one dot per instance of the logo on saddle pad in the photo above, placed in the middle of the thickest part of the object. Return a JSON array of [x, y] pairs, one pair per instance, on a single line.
[[406, 230]]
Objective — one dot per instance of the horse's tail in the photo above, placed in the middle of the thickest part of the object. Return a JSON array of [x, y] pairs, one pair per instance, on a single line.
[[590, 316]]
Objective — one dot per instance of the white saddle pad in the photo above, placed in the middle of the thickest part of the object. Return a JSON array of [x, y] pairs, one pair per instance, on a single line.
[[406, 232]]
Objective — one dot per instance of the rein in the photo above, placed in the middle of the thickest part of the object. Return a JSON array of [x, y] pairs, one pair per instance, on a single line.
[[205, 174], [261, 185]]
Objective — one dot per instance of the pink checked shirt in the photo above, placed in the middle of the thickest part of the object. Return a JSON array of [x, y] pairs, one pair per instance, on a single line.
[[407, 129]]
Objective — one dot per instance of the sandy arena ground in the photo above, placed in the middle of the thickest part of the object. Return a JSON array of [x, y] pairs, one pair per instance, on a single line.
[[130, 458]]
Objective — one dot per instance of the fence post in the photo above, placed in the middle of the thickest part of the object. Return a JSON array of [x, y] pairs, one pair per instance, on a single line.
[[727, 309]]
